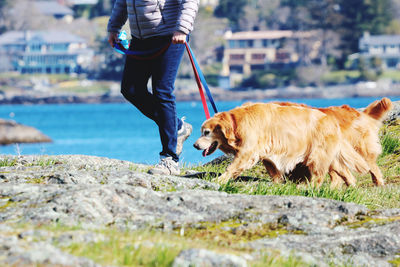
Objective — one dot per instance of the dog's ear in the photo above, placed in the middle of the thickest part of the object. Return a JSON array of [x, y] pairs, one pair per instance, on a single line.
[[227, 126]]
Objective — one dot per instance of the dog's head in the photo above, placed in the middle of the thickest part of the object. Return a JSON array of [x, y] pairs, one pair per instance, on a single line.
[[217, 132]]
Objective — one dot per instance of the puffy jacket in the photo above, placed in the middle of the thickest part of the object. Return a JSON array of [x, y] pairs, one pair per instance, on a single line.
[[149, 18]]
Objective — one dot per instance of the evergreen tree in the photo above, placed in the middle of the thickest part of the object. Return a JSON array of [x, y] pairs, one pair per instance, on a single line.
[[299, 18], [102, 8], [361, 16], [4, 5], [325, 16], [233, 10]]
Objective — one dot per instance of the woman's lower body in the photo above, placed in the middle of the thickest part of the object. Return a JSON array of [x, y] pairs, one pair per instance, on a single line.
[[158, 105]]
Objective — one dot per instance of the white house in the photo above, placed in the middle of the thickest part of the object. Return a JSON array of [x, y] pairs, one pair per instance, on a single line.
[[385, 47], [54, 9], [45, 52]]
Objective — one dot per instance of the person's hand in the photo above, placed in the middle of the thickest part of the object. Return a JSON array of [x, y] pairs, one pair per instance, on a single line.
[[112, 37], [178, 38]]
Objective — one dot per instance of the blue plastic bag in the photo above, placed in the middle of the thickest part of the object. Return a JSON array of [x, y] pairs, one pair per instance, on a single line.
[[123, 41]]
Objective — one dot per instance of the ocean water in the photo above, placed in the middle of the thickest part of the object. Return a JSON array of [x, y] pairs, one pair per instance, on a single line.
[[119, 130]]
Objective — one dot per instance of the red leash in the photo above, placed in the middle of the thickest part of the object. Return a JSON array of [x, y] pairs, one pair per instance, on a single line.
[[196, 74]]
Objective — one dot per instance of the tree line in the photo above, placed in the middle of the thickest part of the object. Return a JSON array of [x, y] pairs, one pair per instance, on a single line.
[[339, 23], [348, 19]]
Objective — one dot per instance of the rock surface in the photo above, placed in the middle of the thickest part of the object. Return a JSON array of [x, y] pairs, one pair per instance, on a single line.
[[202, 257], [95, 193], [395, 112], [12, 132]]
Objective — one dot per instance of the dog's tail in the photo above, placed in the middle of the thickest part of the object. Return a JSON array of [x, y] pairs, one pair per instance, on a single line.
[[353, 160], [379, 108]]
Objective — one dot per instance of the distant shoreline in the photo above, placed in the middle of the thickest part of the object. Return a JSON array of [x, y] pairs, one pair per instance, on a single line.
[[344, 91]]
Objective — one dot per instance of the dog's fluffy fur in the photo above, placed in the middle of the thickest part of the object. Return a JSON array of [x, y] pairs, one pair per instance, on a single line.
[[360, 129], [284, 135]]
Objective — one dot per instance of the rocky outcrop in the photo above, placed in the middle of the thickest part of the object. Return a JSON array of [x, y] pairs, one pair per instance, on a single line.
[[12, 132], [92, 193], [15, 251], [395, 112], [203, 257], [96, 193]]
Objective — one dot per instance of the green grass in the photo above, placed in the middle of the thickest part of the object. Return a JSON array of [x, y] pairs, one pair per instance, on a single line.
[[53, 78], [396, 261], [58, 82], [44, 161], [76, 87], [8, 162], [41, 161], [390, 138], [155, 248], [365, 193], [275, 260], [346, 76], [149, 247], [391, 74], [129, 249], [373, 197], [389, 144], [340, 76]]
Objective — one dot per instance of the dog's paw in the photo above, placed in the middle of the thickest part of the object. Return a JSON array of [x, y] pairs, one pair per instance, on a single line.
[[278, 180], [223, 179], [302, 186]]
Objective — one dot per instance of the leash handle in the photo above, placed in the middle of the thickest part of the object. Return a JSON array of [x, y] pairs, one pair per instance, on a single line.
[[196, 74]]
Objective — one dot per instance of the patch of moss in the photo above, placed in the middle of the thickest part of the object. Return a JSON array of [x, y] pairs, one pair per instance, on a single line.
[[4, 202], [166, 187], [133, 167], [8, 204], [35, 180], [395, 261], [368, 222], [233, 231], [170, 189]]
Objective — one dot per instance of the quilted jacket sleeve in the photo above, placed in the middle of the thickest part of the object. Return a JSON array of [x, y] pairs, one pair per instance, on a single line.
[[118, 17], [187, 15]]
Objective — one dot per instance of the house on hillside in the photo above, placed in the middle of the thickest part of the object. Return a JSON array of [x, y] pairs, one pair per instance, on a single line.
[[250, 51], [212, 3], [44, 52], [384, 47], [54, 9], [81, 2]]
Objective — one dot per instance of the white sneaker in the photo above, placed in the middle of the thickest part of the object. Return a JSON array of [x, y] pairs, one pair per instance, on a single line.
[[183, 133], [166, 166]]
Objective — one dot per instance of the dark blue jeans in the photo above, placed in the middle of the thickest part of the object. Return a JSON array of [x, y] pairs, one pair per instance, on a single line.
[[159, 105]]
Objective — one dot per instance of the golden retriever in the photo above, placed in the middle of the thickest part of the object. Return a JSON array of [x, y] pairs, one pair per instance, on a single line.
[[361, 130], [281, 136]]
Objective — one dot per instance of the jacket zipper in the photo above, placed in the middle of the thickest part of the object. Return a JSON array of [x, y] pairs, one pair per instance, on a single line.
[[161, 12], [137, 21]]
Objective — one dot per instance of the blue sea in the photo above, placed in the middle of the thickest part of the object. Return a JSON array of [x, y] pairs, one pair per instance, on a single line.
[[119, 130]]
